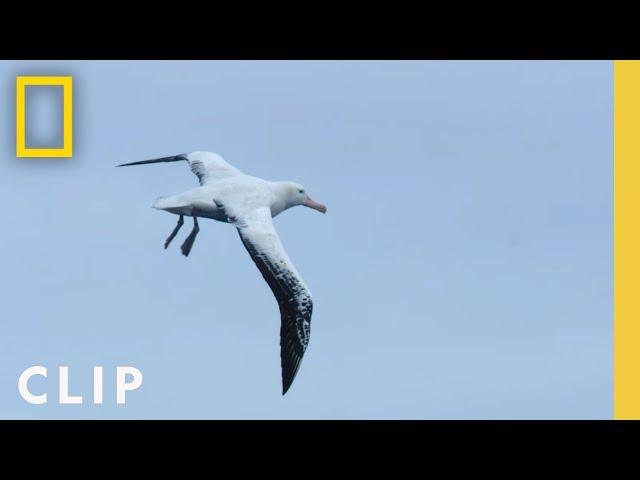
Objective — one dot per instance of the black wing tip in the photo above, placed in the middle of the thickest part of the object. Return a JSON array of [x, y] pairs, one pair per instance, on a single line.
[[173, 158], [286, 385], [289, 373]]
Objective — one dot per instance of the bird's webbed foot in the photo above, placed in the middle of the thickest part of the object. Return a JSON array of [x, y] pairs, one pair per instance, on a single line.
[[188, 243], [174, 232]]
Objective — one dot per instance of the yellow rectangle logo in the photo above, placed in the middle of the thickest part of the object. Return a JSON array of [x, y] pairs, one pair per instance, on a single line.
[[67, 147]]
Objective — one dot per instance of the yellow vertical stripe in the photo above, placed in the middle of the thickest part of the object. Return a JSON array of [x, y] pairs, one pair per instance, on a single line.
[[626, 243], [20, 107], [67, 96]]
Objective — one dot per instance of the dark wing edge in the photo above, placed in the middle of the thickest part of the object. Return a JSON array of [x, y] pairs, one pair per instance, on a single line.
[[211, 168], [295, 302], [199, 169]]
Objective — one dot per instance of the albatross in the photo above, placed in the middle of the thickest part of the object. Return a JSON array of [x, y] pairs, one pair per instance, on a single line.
[[249, 203]]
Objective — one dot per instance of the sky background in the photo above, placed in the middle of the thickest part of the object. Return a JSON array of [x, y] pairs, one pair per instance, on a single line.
[[463, 269]]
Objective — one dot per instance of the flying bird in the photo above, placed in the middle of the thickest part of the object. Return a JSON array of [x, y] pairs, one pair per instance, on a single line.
[[249, 203]]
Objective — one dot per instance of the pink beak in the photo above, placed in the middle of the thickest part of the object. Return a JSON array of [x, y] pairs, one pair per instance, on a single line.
[[315, 205]]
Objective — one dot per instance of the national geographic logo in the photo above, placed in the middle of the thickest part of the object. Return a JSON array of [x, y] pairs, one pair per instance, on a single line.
[[22, 149]]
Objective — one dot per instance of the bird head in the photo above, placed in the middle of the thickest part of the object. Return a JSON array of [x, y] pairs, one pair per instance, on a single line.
[[295, 194]]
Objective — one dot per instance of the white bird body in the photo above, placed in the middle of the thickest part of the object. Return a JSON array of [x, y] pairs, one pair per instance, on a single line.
[[243, 192], [227, 195]]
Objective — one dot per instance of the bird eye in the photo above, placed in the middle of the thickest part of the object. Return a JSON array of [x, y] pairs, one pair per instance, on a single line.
[[300, 191]]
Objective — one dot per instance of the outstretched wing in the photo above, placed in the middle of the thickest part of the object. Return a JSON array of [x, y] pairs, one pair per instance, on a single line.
[[207, 166], [294, 298]]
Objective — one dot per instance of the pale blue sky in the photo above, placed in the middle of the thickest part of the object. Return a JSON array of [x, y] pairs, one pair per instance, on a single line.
[[463, 269]]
